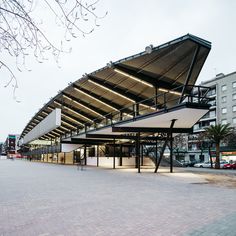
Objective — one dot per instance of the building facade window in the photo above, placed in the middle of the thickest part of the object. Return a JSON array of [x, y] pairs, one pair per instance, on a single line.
[[223, 99], [234, 84], [213, 123], [224, 122], [212, 114], [234, 108], [224, 110], [234, 96], [196, 127], [212, 92], [234, 120], [212, 103], [223, 87]]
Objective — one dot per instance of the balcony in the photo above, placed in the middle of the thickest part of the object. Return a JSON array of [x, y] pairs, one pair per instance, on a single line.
[[205, 118]]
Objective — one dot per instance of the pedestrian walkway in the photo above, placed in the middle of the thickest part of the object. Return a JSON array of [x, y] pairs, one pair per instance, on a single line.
[[51, 200]]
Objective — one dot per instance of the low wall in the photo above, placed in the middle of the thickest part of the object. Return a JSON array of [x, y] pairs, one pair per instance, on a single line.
[[67, 158], [108, 161]]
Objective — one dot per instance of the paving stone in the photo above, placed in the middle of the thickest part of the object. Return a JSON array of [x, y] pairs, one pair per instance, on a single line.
[[57, 200]]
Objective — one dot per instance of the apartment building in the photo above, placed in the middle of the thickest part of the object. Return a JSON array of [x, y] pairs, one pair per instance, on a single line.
[[11, 145], [222, 111]]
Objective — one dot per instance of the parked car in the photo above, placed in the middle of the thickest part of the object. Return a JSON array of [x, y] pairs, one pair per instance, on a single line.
[[188, 163], [222, 163], [206, 164], [230, 165]]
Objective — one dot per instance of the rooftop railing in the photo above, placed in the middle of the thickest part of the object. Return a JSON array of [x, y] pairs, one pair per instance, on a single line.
[[161, 102]]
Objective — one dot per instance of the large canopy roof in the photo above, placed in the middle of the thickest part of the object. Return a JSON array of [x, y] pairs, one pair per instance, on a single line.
[[121, 84]]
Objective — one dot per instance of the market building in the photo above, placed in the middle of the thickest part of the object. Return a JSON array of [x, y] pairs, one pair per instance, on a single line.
[[126, 113]]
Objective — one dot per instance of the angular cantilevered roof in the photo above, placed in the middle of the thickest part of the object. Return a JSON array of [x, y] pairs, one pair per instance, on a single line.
[[171, 68]]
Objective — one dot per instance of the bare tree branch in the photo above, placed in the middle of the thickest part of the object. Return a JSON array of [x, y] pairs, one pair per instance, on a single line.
[[21, 35]]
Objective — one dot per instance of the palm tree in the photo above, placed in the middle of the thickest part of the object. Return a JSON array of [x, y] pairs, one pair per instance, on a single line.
[[216, 134]]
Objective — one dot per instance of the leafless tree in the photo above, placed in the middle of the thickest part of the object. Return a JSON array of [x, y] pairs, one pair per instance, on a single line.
[[179, 144], [22, 33]]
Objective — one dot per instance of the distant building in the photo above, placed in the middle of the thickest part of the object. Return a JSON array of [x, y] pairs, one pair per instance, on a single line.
[[11, 145], [1, 148], [223, 111]]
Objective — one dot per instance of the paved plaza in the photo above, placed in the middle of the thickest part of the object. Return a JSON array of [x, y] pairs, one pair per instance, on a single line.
[[48, 200]]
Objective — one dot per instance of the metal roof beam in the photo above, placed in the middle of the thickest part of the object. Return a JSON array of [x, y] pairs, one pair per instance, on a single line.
[[118, 91], [69, 124], [154, 81], [123, 136], [64, 106], [150, 129], [110, 136], [173, 65], [63, 128], [70, 117], [104, 101], [59, 129], [87, 141], [86, 105], [53, 132]]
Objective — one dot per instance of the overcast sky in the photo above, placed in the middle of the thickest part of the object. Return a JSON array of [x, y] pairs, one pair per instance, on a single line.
[[126, 30]]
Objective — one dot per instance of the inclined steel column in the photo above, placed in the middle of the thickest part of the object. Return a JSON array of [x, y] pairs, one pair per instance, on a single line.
[[161, 154], [196, 51], [164, 145]]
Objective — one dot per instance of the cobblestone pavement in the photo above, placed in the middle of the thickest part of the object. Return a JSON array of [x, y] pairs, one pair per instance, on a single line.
[[54, 200]]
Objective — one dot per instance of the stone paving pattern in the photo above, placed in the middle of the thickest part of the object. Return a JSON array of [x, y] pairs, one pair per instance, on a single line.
[[54, 200]]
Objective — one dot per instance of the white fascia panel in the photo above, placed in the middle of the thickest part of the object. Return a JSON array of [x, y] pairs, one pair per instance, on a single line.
[[49, 123], [185, 118], [67, 147]]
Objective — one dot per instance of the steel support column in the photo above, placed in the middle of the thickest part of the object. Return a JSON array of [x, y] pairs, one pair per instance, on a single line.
[[97, 155], [138, 151], [171, 152], [85, 155], [114, 154], [141, 154], [156, 154], [120, 155], [156, 98]]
